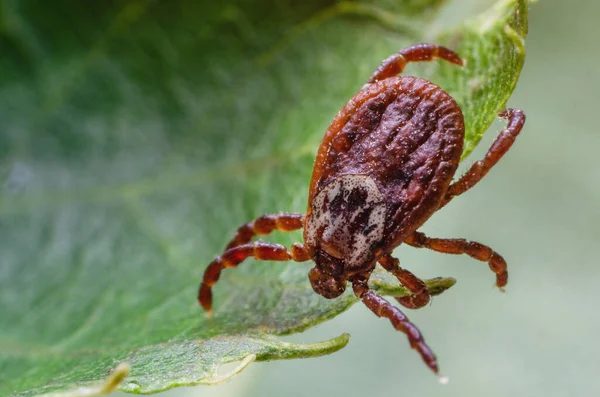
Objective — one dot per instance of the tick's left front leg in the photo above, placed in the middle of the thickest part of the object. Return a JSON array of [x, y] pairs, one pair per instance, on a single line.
[[461, 246], [516, 120], [285, 222], [419, 296], [232, 257]]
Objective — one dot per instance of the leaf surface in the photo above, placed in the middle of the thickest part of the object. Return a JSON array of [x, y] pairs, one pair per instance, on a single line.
[[136, 136]]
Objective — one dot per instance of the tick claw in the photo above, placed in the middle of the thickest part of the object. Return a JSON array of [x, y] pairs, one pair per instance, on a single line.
[[208, 314], [444, 380]]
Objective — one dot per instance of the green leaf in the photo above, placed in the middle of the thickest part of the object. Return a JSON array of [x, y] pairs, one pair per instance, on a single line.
[[136, 136], [494, 47]]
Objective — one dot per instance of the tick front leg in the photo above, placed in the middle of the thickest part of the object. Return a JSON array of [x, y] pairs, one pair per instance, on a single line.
[[232, 257], [383, 308], [419, 296], [516, 120], [416, 53], [461, 246], [285, 222]]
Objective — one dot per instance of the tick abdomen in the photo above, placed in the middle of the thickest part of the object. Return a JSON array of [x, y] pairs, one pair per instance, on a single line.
[[407, 134]]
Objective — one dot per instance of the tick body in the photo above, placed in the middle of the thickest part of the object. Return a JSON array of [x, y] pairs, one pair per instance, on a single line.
[[385, 165]]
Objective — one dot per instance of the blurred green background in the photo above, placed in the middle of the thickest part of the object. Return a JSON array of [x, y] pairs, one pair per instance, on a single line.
[[540, 208]]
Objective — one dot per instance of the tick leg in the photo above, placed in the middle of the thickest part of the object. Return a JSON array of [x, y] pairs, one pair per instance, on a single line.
[[232, 257], [285, 222], [383, 308], [416, 53], [516, 120], [461, 246], [419, 296]]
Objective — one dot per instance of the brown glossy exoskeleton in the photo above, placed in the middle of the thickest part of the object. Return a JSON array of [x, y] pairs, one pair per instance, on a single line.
[[384, 167]]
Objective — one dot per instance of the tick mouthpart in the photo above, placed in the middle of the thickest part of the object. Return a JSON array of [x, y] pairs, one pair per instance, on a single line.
[[325, 284]]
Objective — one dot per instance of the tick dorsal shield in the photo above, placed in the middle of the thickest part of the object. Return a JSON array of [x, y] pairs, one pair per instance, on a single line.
[[347, 219]]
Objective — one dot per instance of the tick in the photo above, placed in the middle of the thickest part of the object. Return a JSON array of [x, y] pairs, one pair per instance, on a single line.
[[385, 165]]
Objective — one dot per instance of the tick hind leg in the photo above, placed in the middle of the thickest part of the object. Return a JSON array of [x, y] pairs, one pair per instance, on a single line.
[[383, 308], [285, 222], [461, 246], [419, 296], [232, 257], [516, 120], [416, 53]]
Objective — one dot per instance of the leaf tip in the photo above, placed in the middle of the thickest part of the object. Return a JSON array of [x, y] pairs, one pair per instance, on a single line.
[[343, 339], [437, 286]]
